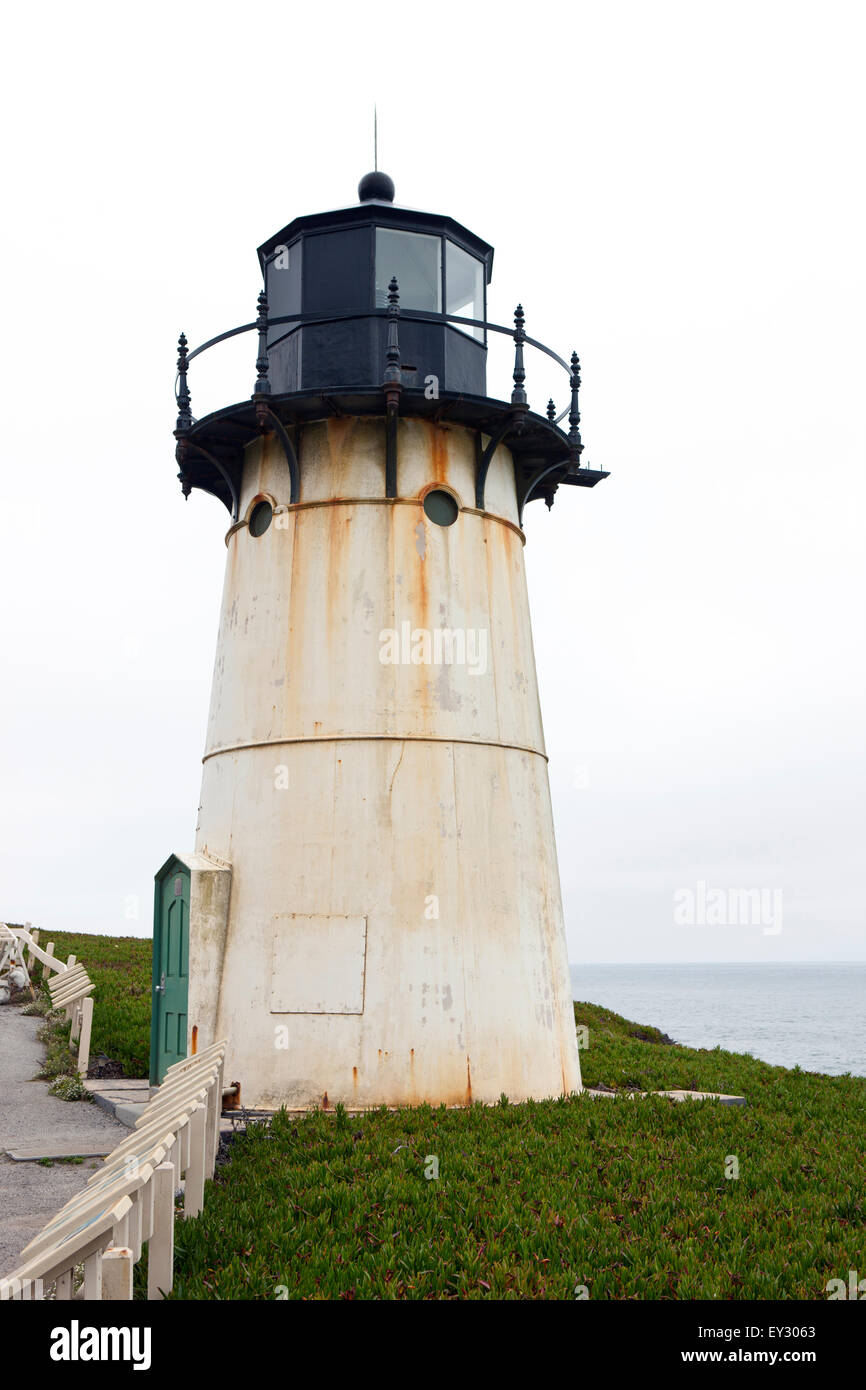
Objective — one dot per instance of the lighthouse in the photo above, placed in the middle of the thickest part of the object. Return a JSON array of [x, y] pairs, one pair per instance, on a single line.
[[372, 913]]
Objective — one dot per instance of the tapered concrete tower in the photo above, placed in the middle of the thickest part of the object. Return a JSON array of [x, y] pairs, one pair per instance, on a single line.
[[375, 911]]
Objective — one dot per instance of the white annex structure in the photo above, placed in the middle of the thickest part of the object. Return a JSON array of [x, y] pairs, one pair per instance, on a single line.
[[383, 924]]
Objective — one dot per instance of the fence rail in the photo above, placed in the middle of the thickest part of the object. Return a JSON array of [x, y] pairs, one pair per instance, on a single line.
[[30, 939], [69, 985], [129, 1201]]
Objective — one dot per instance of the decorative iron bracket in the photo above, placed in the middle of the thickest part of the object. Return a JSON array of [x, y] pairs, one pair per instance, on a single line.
[[483, 457], [532, 487], [264, 414], [186, 444]]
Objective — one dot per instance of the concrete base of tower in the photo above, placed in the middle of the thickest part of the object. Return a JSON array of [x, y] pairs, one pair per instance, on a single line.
[[384, 947]]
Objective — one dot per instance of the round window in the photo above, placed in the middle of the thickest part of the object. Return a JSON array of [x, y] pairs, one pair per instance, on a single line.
[[260, 518], [441, 507]]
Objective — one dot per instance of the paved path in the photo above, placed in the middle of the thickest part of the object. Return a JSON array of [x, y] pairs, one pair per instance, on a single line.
[[30, 1194]]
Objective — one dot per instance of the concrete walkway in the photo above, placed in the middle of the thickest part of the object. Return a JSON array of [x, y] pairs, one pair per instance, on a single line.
[[31, 1194], [125, 1100]]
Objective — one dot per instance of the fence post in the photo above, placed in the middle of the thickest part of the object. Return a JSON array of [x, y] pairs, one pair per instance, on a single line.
[[183, 1155], [193, 1197], [215, 1100], [136, 1217], [49, 951], [120, 1234], [146, 1197], [117, 1275], [160, 1250], [69, 965], [86, 1029], [173, 1158], [93, 1277]]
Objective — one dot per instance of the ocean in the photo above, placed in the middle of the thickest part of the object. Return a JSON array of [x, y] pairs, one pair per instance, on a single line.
[[799, 1013]]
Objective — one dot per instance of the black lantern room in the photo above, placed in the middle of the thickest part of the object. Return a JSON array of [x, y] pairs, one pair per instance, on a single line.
[[333, 270], [376, 309]]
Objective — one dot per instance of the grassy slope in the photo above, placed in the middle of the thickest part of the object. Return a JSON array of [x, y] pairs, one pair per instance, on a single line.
[[628, 1198], [119, 967]]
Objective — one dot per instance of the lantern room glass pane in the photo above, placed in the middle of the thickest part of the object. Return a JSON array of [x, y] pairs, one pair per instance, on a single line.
[[283, 284], [464, 288], [416, 260]]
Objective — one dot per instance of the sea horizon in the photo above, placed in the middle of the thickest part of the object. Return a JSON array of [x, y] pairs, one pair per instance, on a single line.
[[811, 1016]]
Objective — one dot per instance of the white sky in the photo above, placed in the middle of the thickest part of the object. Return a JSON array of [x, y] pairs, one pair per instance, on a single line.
[[676, 189]]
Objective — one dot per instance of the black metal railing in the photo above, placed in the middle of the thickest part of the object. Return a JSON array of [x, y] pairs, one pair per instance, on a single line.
[[262, 324]]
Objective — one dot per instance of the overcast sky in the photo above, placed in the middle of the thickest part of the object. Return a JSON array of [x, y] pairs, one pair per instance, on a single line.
[[676, 190]]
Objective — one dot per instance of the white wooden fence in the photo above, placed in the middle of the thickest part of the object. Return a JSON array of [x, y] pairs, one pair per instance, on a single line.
[[11, 949], [28, 942], [68, 983], [71, 989], [129, 1201]]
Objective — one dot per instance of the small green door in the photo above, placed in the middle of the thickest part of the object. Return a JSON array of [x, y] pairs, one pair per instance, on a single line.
[[170, 967]]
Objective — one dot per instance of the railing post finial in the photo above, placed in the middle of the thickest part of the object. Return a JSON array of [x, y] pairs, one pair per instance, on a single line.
[[263, 385], [518, 395], [574, 441], [184, 417], [393, 379]]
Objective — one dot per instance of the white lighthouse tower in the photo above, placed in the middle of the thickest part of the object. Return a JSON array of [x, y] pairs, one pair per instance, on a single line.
[[374, 912]]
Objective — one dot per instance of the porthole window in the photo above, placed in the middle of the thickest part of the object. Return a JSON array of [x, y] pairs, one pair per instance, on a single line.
[[260, 518], [441, 507]]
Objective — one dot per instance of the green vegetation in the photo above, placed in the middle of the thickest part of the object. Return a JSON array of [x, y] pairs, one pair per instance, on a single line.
[[628, 1198], [69, 1088], [59, 1063], [38, 1007], [120, 968], [58, 1060]]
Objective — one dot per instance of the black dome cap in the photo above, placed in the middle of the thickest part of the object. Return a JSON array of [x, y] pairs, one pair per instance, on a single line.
[[376, 186]]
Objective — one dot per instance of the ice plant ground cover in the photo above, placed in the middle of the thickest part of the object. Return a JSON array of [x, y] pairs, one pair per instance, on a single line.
[[605, 1198], [120, 968], [598, 1198]]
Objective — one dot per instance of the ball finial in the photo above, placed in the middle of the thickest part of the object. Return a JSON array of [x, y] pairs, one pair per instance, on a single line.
[[376, 185]]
